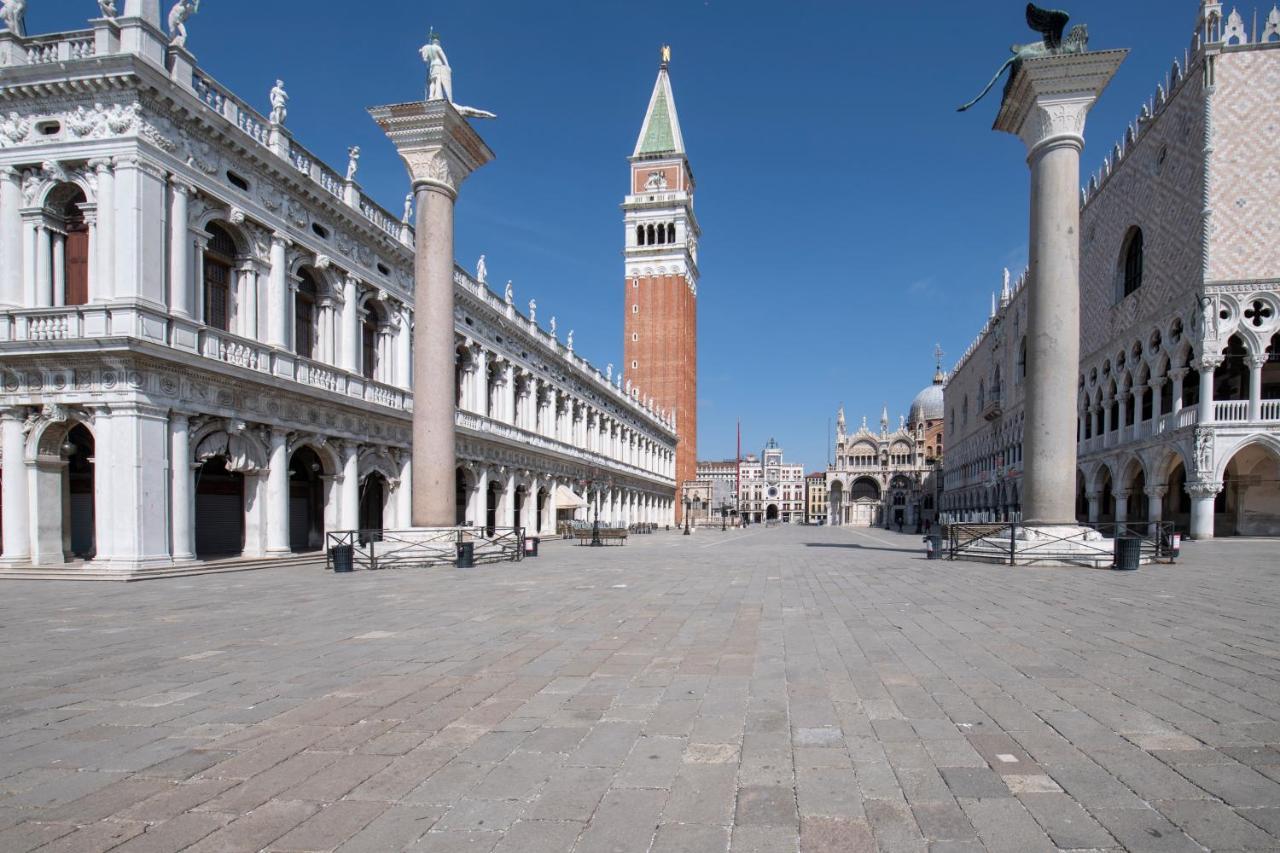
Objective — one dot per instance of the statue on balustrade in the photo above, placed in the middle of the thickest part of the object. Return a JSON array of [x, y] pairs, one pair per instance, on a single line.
[[279, 100], [107, 8], [14, 15], [178, 15]]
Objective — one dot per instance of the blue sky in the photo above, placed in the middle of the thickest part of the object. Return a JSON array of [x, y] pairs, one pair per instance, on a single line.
[[851, 218]]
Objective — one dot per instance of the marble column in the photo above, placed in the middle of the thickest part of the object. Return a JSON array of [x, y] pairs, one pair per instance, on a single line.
[[59, 268], [182, 496], [479, 511], [16, 519], [1046, 104], [179, 249], [1178, 377], [350, 514], [278, 493], [1095, 507], [404, 492], [11, 282], [404, 355], [1255, 363], [279, 309], [44, 270], [1206, 366], [1122, 506], [350, 349], [1155, 508], [440, 150], [1203, 496], [104, 252]]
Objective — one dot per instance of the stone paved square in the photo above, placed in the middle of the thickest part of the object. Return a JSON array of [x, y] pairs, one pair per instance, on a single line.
[[785, 689]]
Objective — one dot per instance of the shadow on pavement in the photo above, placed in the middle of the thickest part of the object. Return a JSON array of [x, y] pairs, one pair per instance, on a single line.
[[862, 547]]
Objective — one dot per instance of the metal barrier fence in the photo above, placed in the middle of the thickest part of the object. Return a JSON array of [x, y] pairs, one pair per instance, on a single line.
[[384, 549], [986, 541]]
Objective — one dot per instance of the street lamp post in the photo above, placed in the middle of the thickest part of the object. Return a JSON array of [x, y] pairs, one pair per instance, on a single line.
[[592, 486], [686, 516]]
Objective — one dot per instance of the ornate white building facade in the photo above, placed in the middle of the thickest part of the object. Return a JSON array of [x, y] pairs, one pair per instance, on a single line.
[[886, 478], [1179, 386], [770, 488], [205, 335]]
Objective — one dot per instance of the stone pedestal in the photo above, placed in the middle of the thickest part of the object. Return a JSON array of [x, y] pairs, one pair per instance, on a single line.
[[440, 150], [1046, 106]]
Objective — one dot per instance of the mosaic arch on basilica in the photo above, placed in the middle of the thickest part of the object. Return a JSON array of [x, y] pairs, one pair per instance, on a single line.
[[887, 477], [1178, 398], [205, 331]]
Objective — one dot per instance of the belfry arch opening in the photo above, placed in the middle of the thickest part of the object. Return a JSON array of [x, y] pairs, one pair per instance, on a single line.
[[219, 510], [306, 501]]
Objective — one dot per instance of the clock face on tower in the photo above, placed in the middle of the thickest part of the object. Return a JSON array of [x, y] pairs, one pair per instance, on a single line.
[[773, 491]]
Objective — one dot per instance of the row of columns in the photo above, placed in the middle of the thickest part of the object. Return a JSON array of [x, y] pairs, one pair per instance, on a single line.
[[493, 387], [616, 505]]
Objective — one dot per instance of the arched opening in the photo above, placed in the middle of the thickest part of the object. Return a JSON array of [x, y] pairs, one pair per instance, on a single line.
[[1131, 262], [771, 513], [864, 502], [542, 509], [1271, 370], [373, 501], [671, 232], [639, 235], [1082, 499], [521, 493], [1231, 378], [70, 261], [304, 314], [492, 497], [306, 501], [653, 236], [369, 346], [461, 491], [836, 499], [1106, 498], [1177, 507], [219, 509], [219, 260], [78, 450], [1249, 504], [1138, 509]]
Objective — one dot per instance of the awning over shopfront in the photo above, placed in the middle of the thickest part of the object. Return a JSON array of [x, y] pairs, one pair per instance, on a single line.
[[566, 499]]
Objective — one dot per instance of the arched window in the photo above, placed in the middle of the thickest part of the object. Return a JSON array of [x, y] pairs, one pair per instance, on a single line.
[[369, 346], [671, 232], [662, 233], [304, 315], [1133, 261], [639, 235], [653, 237], [71, 228], [219, 257]]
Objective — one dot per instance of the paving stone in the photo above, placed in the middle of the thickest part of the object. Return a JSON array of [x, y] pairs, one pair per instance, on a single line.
[[763, 839], [690, 838], [974, 782], [175, 834], [396, 828], [1215, 825], [1068, 825], [942, 821], [572, 794], [772, 805], [835, 835], [539, 836], [329, 827], [624, 822], [257, 830], [1144, 829], [1004, 825]]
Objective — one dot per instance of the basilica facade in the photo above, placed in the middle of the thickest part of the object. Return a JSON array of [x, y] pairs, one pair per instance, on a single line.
[[205, 336], [1179, 383], [888, 477]]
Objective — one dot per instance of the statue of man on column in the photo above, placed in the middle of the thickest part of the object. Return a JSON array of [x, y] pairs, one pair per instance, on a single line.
[[439, 74]]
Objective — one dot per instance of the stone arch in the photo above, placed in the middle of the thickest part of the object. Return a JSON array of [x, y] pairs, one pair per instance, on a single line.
[[1249, 504], [1267, 441], [327, 454], [57, 179]]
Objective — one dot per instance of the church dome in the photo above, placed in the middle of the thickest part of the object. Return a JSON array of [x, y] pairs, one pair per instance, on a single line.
[[927, 406]]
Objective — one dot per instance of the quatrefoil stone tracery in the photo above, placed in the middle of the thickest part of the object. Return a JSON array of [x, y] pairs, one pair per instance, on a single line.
[[1258, 313]]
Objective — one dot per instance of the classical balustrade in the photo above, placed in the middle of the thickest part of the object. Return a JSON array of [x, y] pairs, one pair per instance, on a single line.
[[1226, 411], [488, 426], [95, 322], [258, 127], [1271, 410], [60, 47]]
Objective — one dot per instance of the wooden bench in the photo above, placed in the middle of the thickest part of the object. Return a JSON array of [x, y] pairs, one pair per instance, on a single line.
[[608, 535]]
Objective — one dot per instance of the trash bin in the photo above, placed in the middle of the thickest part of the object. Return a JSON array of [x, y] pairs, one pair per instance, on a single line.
[[466, 555], [342, 557], [531, 546], [1128, 553], [933, 544]]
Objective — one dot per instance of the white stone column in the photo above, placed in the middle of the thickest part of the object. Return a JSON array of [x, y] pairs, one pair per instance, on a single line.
[[279, 309], [278, 493], [350, 349], [549, 523], [1157, 405], [1137, 409], [1178, 376], [529, 509], [508, 394], [350, 486], [480, 381], [440, 149], [1123, 406], [44, 272], [59, 268], [179, 249], [507, 503], [1155, 508], [1206, 413], [479, 512], [16, 519], [404, 492], [1122, 506], [182, 498], [1203, 495], [1255, 363], [131, 512], [104, 251], [1046, 105], [404, 353], [11, 279]]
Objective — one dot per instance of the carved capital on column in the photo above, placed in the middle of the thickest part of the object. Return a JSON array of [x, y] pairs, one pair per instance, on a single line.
[[1256, 362], [1049, 97], [439, 148], [100, 165], [279, 238], [1157, 492], [1204, 489], [1208, 362]]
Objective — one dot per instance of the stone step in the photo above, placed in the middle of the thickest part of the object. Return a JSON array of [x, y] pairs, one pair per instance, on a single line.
[[87, 572]]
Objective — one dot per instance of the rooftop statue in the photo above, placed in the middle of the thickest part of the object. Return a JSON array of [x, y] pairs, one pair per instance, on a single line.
[[178, 15], [408, 209], [108, 9], [440, 77], [1050, 23], [14, 15], [353, 161], [279, 101]]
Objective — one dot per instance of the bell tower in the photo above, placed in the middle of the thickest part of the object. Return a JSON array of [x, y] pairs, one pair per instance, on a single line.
[[661, 266]]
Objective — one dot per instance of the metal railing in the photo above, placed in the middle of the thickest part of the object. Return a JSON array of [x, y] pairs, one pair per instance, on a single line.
[[1000, 539], [385, 549]]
